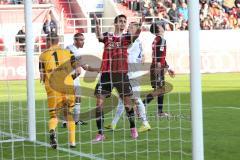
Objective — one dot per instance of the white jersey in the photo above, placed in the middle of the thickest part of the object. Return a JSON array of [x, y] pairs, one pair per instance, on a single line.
[[76, 52], [135, 59]]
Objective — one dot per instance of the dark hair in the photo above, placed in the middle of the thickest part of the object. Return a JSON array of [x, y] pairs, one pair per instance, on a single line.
[[154, 27], [118, 17], [53, 37], [77, 35], [136, 24]]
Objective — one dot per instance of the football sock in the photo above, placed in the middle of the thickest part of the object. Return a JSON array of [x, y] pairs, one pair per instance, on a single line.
[[142, 110], [76, 112], [52, 123], [148, 99], [99, 120], [119, 111], [130, 115], [71, 129], [160, 103]]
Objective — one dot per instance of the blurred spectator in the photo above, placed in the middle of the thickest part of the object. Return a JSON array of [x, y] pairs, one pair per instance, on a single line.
[[168, 3], [206, 24], [227, 5], [232, 20], [184, 25], [168, 27], [3, 1], [238, 23], [49, 25], [214, 14], [130, 4], [204, 10], [43, 1], [183, 10], [160, 8], [173, 13], [16, 1], [20, 40], [237, 8]]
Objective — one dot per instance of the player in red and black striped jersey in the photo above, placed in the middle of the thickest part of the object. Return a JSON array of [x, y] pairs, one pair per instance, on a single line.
[[159, 65], [114, 69]]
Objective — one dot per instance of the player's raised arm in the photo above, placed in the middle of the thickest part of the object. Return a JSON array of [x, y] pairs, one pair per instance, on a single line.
[[97, 29]]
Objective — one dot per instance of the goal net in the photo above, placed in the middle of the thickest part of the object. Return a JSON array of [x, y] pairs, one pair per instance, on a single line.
[[169, 137]]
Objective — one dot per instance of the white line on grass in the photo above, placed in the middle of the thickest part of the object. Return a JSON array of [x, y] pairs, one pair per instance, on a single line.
[[19, 138], [14, 138], [237, 108], [70, 151]]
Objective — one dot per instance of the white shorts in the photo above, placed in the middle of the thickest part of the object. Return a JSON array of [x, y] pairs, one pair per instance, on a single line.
[[135, 88], [77, 88]]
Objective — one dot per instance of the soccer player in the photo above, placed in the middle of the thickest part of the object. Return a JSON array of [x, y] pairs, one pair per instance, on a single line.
[[74, 49], [55, 64], [135, 60], [159, 66], [114, 69]]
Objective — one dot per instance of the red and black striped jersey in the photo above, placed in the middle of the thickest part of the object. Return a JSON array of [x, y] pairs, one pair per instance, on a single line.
[[115, 56], [159, 51]]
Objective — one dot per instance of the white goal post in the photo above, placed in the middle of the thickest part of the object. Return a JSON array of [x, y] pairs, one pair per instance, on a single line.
[[195, 76]]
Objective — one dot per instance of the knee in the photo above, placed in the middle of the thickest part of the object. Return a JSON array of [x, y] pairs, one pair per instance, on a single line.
[[78, 100]]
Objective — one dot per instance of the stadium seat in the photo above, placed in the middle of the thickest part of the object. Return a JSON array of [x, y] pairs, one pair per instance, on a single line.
[[40, 43], [1, 44]]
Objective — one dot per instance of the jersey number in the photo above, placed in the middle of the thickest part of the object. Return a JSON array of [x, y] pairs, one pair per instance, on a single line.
[[55, 58]]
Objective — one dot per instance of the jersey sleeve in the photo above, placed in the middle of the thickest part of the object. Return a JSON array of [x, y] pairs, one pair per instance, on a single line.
[[105, 37]]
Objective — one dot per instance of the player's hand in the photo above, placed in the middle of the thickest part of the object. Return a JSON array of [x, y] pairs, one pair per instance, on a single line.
[[85, 67], [171, 73], [78, 71], [97, 29]]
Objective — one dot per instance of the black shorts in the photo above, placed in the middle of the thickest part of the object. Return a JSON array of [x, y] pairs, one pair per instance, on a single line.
[[119, 80], [157, 79]]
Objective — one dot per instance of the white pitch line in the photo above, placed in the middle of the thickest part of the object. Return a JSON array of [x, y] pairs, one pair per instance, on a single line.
[[90, 156], [19, 138], [221, 108]]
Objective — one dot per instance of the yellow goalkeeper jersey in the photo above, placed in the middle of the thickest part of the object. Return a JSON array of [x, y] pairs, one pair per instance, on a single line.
[[57, 65]]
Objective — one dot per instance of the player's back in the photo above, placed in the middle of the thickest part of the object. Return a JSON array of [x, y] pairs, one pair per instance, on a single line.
[[57, 67]]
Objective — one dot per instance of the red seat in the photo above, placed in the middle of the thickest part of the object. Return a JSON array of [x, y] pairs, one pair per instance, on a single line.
[[40, 43], [1, 44]]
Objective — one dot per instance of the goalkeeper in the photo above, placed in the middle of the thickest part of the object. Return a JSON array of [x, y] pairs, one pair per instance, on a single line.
[[55, 64]]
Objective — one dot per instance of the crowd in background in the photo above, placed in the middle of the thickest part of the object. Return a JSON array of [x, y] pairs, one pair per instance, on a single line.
[[22, 1], [214, 14]]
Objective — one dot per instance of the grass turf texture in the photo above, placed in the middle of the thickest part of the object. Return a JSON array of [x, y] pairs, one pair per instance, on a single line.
[[168, 139]]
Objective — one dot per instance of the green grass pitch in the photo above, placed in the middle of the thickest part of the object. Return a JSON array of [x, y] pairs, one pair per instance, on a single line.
[[169, 139]]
